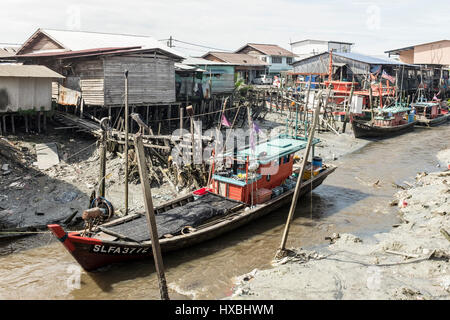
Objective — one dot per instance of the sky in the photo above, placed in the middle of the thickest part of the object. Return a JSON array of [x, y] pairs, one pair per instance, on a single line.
[[373, 26]]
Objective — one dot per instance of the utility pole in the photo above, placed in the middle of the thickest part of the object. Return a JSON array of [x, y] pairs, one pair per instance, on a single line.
[[170, 43]]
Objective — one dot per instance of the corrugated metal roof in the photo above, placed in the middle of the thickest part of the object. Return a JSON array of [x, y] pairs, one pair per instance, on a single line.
[[195, 61], [8, 52], [396, 51], [83, 40], [358, 57], [185, 67], [367, 59], [269, 49], [27, 71], [240, 59]]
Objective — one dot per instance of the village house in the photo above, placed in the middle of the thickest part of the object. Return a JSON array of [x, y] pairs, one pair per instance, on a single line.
[[278, 58], [25, 91], [247, 67], [94, 65], [200, 78], [434, 61]]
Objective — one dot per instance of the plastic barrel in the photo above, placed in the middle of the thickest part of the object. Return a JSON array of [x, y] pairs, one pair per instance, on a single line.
[[317, 162]]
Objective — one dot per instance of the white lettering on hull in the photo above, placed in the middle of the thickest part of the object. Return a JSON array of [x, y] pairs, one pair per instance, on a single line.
[[114, 250]]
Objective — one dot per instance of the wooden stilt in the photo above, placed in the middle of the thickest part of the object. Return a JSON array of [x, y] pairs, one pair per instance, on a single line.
[[13, 128], [39, 121], [26, 123], [4, 124]]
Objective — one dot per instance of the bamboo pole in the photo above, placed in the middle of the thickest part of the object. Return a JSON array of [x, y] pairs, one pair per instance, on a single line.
[[150, 214], [302, 170]]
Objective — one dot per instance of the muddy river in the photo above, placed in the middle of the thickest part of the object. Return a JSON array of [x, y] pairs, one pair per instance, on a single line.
[[354, 199]]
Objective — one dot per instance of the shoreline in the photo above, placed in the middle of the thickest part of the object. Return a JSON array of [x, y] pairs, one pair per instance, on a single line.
[[408, 262]]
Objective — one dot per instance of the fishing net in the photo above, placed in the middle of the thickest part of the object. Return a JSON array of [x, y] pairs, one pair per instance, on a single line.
[[174, 220]]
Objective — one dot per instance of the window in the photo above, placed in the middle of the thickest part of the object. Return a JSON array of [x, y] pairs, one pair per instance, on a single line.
[[288, 60], [277, 60], [268, 177]]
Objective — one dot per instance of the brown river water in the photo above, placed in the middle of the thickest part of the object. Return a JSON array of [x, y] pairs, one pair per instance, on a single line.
[[348, 201]]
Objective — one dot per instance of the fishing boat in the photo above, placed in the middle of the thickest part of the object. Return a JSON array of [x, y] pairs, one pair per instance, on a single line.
[[388, 122], [430, 113], [250, 188]]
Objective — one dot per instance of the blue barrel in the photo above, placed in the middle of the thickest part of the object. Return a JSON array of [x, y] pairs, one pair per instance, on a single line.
[[411, 117], [317, 162]]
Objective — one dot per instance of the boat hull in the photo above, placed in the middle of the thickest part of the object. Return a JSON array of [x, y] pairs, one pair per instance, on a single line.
[[433, 122], [362, 129], [93, 253]]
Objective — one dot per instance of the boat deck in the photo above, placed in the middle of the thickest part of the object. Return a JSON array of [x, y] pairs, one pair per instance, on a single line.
[[172, 221]]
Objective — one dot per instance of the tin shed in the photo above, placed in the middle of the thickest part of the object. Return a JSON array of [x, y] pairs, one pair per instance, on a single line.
[[26, 87]]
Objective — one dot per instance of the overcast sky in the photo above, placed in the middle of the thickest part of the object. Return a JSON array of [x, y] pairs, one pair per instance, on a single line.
[[374, 26]]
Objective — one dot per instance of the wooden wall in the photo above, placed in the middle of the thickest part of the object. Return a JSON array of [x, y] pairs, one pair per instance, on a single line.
[[150, 80]]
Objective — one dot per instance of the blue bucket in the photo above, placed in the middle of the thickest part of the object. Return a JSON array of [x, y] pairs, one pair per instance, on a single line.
[[317, 162]]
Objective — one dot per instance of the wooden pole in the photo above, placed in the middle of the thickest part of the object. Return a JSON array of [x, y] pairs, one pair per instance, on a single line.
[[299, 179], [101, 178], [126, 142], [347, 108], [150, 214]]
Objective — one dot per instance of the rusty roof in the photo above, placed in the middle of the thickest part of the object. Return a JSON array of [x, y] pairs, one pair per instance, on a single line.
[[269, 49], [70, 40], [27, 71], [240, 59]]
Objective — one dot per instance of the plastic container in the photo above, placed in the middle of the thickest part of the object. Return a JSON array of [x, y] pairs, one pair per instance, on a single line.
[[202, 191], [317, 163], [277, 191], [411, 117]]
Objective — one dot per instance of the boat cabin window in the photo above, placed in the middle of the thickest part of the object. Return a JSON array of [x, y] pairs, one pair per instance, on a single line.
[[268, 177]]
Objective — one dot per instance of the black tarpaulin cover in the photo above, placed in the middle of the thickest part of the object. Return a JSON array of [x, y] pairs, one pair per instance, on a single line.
[[172, 221]]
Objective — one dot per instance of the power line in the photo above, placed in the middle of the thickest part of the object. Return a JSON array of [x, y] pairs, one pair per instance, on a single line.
[[194, 44]]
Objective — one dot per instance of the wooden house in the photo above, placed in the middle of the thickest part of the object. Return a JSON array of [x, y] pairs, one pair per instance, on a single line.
[[205, 79], [94, 65], [247, 67], [278, 58]]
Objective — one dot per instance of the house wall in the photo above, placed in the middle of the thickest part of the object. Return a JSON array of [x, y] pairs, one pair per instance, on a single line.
[[222, 78], [433, 53], [407, 56], [306, 49], [276, 68], [24, 94], [150, 80], [41, 44]]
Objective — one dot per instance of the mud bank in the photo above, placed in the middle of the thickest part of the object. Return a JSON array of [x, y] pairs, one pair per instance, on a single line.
[[411, 261], [31, 198]]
